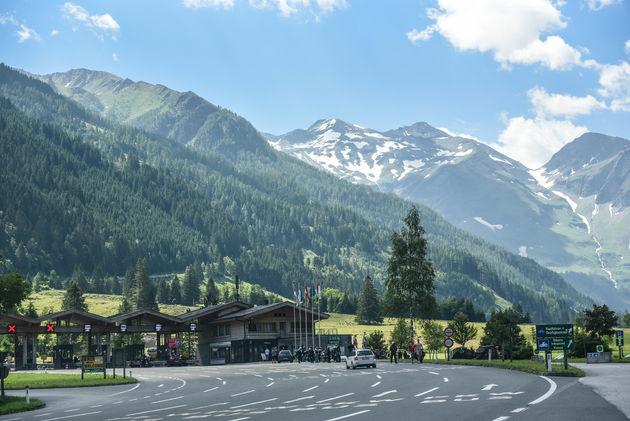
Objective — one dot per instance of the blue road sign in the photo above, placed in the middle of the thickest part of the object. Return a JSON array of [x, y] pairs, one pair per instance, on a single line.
[[543, 344], [600, 348], [619, 333]]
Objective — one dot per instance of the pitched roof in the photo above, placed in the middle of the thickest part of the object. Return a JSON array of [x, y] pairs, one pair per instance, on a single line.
[[145, 313], [18, 318], [262, 309], [201, 312], [75, 316]]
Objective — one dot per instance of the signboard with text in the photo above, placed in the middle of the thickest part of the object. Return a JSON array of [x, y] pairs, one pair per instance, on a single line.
[[554, 331], [93, 363]]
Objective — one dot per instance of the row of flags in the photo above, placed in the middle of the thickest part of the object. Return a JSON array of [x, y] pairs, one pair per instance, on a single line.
[[300, 298]]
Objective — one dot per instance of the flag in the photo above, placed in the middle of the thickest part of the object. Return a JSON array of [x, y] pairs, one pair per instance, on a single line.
[[295, 295], [319, 289], [306, 293], [312, 291], [300, 294]]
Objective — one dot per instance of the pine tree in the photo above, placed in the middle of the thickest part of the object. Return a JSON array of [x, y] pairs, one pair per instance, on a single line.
[[73, 298], [176, 291], [79, 278], [190, 287], [145, 291], [368, 308], [98, 281], [162, 291], [212, 294], [129, 282]]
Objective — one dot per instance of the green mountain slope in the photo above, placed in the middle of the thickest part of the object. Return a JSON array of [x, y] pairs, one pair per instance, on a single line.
[[281, 209]]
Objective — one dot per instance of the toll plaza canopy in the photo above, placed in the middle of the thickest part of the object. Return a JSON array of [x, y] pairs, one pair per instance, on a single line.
[[241, 329]]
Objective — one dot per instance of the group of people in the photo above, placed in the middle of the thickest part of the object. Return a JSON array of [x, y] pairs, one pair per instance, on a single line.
[[328, 354], [416, 352]]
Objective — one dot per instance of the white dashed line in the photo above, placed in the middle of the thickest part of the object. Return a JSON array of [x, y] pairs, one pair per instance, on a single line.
[[166, 400], [426, 392], [270, 384], [126, 391], [375, 384], [243, 393], [501, 418], [445, 379], [253, 403], [380, 395], [73, 416], [309, 389], [299, 399], [336, 397], [517, 410], [349, 415], [155, 410]]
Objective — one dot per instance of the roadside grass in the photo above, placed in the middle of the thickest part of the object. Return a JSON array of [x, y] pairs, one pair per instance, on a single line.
[[526, 366], [13, 404], [17, 381]]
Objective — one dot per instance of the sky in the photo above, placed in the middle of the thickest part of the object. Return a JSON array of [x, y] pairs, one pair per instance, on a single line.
[[524, 76]]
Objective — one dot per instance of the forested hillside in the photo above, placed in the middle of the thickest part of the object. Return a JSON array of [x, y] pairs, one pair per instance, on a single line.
[[267, 217]]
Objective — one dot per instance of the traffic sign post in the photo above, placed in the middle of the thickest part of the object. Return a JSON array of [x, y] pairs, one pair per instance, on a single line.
[[556, 337], [448, 332], [619, 340]]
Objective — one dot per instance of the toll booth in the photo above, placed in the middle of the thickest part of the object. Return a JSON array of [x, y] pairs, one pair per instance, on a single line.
[[64, 356], [134, 352]]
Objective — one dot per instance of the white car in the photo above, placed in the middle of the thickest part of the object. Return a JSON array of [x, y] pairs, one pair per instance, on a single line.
[[361, 358]]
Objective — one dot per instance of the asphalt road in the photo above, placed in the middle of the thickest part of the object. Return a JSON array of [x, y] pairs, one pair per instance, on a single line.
[[327, 392]]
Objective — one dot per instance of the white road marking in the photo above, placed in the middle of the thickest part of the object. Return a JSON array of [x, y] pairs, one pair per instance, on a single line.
[[336, 397], [489, 386], [299, 399], [154, 410], [501, 418], [74, 416], [36, 416], [116, 403], [309, 389], [495, 398], [445, 379], [257, 375], [270, 384], [224, 382], [378, 376], [243, 393], [126, 391], [349, 415], [326, 381], [517, 410], [433, 372], [169, 399], [209, 406], [240, 419], [375, 384], [270, 378], [552, 389], [219, 379], [72, 410], [428, 391], [253, 403], [506, 393], [323, 375], [380, 395]]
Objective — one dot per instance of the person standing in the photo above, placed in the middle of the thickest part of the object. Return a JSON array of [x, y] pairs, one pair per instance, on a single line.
[[419, 351], [266, 353], [393, 349], [412, 351]]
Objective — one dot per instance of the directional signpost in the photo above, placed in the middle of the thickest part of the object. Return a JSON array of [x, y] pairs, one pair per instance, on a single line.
[[555, 338], [448, 342], [619, 340]]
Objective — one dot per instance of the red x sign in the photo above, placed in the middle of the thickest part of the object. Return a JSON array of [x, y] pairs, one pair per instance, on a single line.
[[50, 328], [11, 329]]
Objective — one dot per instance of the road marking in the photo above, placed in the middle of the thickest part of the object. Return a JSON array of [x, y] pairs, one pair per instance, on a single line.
[[309, 389], [507, 393], [323, 375], [73, 416], [72, 410], [378, 376], [501, 418], [243, 393], [270, 378], [219, 379], [326, 381], [154, 410], [125, 391], [349, 415], [299, 399], [169, 399], [270, 384], [116, 403], [552, 389], [253, 403], [209, 406], [375, 384], [224, 382], [517, 410], [433, 372], [36, 416], [257, 375], [336, 397], [489, 386], [445, 379], [240, 419], [380, 395], [428, 391]]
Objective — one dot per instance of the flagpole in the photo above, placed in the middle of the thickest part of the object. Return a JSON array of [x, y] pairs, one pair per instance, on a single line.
[[312, 316], [306, 318], [294, 332], [319, 318], [300, 312]]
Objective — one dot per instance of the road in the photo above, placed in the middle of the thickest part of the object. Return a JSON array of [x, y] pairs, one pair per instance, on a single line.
[[327, 392]]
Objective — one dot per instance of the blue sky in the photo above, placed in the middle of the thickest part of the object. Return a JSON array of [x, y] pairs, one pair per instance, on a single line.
[[526, 76]]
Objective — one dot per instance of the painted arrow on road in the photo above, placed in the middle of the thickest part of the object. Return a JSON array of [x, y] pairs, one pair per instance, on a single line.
[[489, 386]]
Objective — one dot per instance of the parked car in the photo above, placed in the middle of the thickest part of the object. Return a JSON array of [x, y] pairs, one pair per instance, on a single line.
[[361, 358], [175, 360], [463, 353], [285, 355], [482, 352]]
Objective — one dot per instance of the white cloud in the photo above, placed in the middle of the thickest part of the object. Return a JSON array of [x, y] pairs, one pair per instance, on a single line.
[[615, 85], [77, 13], [533, 141], [510, 30], [198, 4], [7, 18], [114, 57], [54, 32], [105, 22], [25, 33], [627, 45], [328, 6], [600, 4], [554, 105]]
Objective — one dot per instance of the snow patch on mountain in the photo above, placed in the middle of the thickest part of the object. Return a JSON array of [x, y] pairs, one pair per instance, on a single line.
[[541, 177], [325, 125], [493, 227], [522, 251], [494, 158]]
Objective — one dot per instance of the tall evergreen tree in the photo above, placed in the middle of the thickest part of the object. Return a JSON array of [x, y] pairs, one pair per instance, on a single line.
[[410, 273], [190, 287], [163, 292], [79, 278], [73, 298], [368, 308], [97, 281], [145, 291], [129, 282], [212, 294], [175, 291]]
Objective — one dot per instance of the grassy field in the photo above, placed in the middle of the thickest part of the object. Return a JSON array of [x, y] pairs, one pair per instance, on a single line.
[[13, 404], [42, 380], [526, 366]]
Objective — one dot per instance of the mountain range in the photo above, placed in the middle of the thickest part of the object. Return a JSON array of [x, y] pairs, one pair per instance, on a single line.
[[212, 189], [570, 215]]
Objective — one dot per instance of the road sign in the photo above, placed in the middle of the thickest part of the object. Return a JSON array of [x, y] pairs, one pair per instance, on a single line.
[[174, 342], [543, 344], [193, 327], [620, 341], [123, 328], [448, 342], [559, 344], [50, 328], [11, 329], [599, 348], [158, 327], [619, 333], [448, 332], [93, 364], [554, 331], [87, 328]]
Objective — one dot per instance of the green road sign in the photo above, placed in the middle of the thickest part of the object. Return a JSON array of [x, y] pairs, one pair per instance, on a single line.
[[559, 344], [619, 341], [554, 331]]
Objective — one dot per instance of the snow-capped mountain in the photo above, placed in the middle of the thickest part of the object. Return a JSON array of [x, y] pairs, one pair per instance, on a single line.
[[479, 189]]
